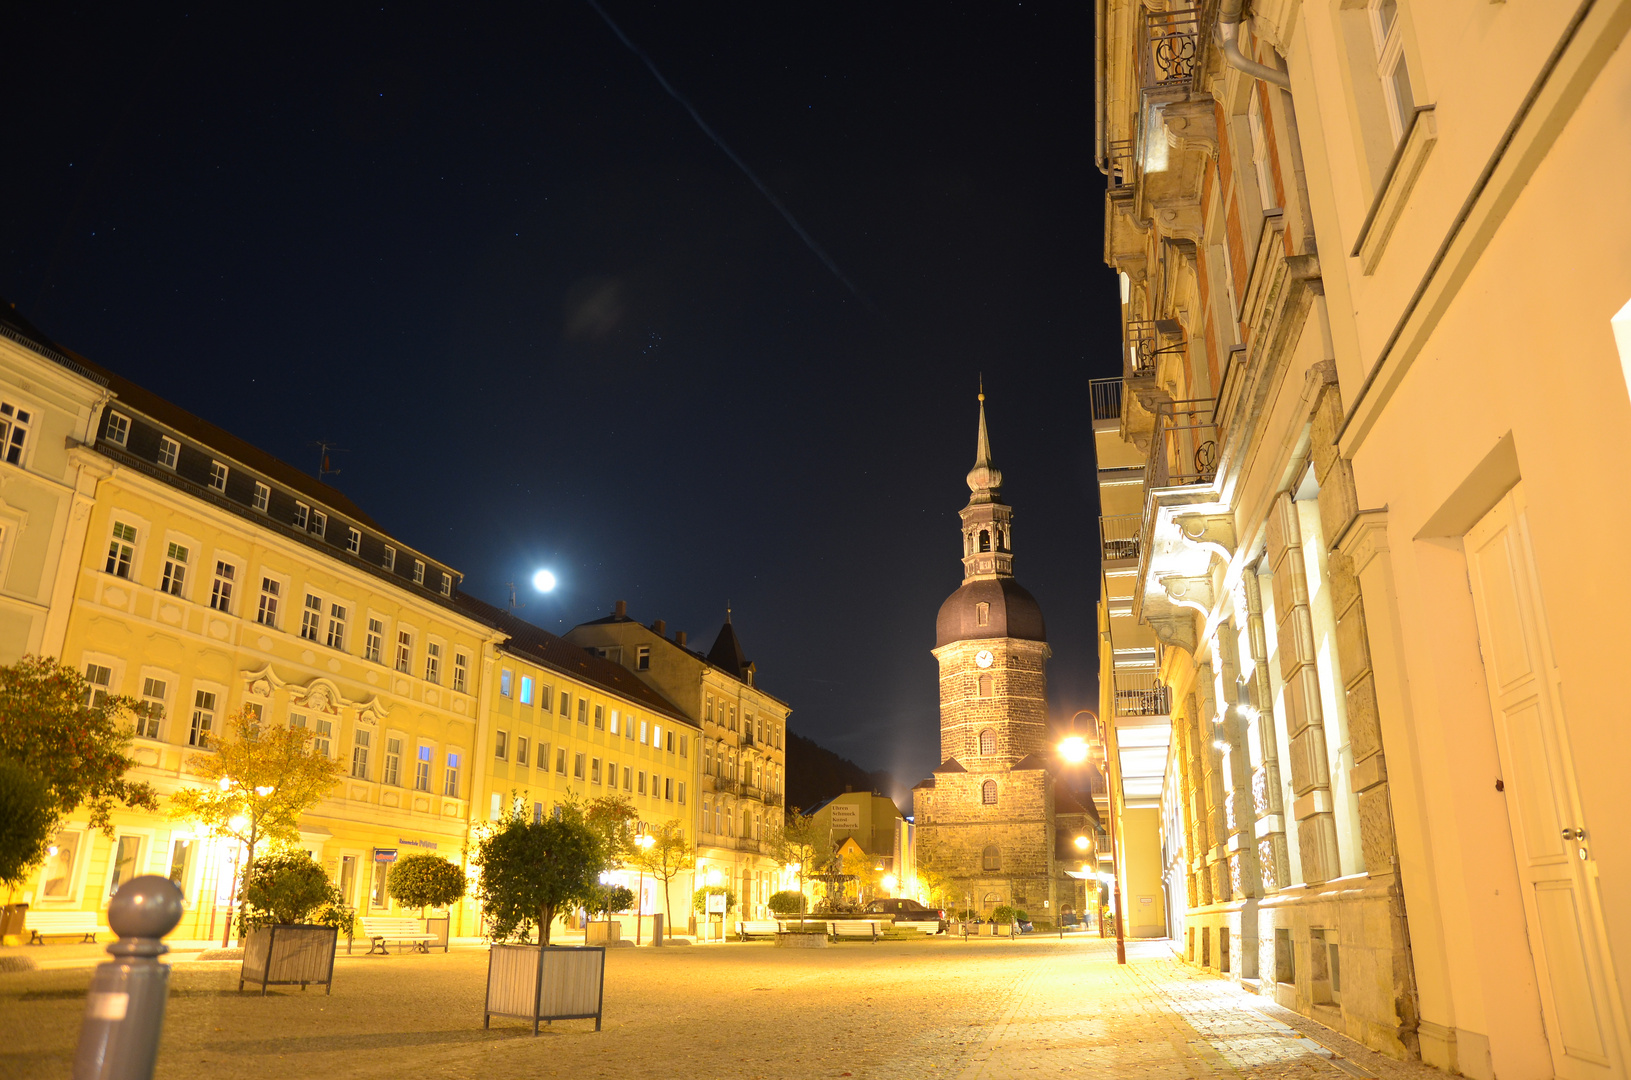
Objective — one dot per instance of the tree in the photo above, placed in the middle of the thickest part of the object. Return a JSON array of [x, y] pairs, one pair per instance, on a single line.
[[609, 898], [423, 880], [937, 887], [74, 740], [532, 869], [289, 887], [27, 822], [667, 857], [788, 902], [699, 899], [261, 778], [612, 819], [803, 842]]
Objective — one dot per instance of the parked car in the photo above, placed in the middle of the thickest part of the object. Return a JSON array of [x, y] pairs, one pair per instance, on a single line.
[[908, 911]]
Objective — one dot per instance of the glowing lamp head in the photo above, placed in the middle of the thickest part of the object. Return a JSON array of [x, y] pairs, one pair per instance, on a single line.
[[238, 823], [1081, 843], [713, 877], [645, 840], [889, 882], [1074, 749], [543, 581]]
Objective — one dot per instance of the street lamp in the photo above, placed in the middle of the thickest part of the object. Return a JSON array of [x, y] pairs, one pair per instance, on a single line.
[[644, 841], [1075, 750]]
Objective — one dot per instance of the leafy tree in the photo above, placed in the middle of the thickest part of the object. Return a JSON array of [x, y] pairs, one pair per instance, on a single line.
[[788, 902], [609, 898], [1005, 913], [699, 899], [667, 857], [27, 822], [289, 887], [937, 887], [863, 868], [612, 818], [261, 778], [530, 870], [74, 740], [423, 880], [804, 842]]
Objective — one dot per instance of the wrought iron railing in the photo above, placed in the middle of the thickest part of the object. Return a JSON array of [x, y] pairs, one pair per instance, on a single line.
[[1121, 161], [1118, 536], [1138, 693], [1105, 395], [1144, 340], [1171, 48], [1185, 448]]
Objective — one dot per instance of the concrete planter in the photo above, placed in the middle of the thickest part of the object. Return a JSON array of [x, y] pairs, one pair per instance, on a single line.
[[604, 933], [799, 939], [288, 954], [561, 982]]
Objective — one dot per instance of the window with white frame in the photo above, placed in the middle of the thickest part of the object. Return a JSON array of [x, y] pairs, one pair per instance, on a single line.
[[578, 763], [501, 744], [421, 769], [100, 679], [175, 569], [505, 679], [447, 584], [521, 750], [1258, 126], [203, 719], [302, 513], [594, 770], [336, 626], [169, 450], [14, 424], [392, 772], [311, 619], [123, 862], [152, 714], [404, 651], [389, 558], [560, 760], [353, 540], [461, 675], [271, 589], [433, 662], [221, 591], [450, 778], [319, 524], [374, 641], [263, 496], [118, 429], [121, 549], [583, 710], [600, 718], [61, 862], [218, 475], [419, 571], [526, 689], [642, 658], [323, 737], [1392, 69], [359, 754]]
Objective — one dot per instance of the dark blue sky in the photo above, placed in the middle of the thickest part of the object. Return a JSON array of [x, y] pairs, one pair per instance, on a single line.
[[551, 324]]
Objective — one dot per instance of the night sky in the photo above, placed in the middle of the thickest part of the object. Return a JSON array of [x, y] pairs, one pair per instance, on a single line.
[[551, 324]]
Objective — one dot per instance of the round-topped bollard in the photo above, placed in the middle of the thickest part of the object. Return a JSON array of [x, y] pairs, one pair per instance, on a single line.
[[124, 1008]]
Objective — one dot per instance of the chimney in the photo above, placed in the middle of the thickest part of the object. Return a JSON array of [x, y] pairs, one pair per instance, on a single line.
[[622, 609], [660, 628], [679, 638]]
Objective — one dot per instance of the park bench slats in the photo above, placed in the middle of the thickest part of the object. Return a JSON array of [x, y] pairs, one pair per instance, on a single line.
[[43, 924], [380, 929]]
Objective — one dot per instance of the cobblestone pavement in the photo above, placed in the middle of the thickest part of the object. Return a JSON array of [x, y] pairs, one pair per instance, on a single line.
[[980, 1010]]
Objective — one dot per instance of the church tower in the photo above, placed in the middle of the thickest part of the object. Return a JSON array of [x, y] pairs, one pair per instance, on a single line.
[[986, 818]]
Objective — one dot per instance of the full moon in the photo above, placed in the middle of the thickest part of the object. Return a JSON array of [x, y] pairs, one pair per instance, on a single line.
[[543, 581]]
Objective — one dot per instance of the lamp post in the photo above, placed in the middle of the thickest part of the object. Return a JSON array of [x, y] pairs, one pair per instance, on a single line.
[[1076, 750], [644, 840]]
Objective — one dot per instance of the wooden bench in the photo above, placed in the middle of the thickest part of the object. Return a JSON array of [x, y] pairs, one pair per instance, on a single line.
[[752, 928], [925, 926], [43, 924], [380, 929], [854, 928]]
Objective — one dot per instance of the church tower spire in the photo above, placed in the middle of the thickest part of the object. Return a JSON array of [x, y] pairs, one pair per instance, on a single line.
[[986, 519]]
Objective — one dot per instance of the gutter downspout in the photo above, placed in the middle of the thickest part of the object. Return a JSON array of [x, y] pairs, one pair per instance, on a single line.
[[1229, 32], [1098, 87]]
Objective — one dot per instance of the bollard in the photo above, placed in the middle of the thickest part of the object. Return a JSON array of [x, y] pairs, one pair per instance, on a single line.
[[124, 1010], [657, 929]]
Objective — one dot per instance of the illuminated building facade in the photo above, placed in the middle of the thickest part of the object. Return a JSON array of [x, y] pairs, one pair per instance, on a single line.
[[1349, 492]]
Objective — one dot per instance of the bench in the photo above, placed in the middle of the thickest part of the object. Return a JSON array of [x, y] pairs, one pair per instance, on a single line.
[[925, 926], [43, 924], [752, 928], [378, 930], [854, 928]]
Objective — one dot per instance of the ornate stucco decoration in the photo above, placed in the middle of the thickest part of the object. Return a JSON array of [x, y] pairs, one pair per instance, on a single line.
[[262, 683]]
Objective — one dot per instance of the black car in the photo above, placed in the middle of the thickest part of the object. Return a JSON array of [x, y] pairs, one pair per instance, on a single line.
[[908, 911]]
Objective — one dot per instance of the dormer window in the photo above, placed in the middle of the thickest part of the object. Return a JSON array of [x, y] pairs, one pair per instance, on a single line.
[[447, 584], [169, 450], [419, 571], [353, 541], [301, 513], [319, 524], [118, 429], [389, 561], [982, 614], [218, 475], [263, 496]]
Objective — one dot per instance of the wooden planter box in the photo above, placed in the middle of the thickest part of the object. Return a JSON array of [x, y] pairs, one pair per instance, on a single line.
[[561, 982], [438, 924], [289, 954], [603, 933]]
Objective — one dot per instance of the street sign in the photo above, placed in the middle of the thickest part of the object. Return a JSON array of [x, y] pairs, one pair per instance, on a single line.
[[385, 854]]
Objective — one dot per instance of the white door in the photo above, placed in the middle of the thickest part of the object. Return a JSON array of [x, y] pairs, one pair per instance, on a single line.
[[1553, 842]]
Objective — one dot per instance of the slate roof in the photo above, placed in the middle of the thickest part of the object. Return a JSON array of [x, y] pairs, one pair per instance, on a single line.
[[727, 652]]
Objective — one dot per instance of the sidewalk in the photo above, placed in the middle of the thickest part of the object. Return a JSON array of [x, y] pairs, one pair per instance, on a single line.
[[1078, 1013]]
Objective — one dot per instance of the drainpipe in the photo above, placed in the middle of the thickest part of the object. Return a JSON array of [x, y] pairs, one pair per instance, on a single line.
[[1229, 31], [1099, 88]]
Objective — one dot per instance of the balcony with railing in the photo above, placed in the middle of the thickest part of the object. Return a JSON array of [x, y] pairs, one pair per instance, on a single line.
[[1118, 536], [1169, 48], [1139, 693], [1147, 340], [1104, 396], [1184, 448]]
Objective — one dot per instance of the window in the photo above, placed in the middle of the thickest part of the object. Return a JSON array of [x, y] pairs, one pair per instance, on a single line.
[[461, 675], [991, 858], [682, 792], [147, 724], [61, 861], [348, 878], [628, 778], [319, 524], [203, 719], [1258, 126], [566, 703], [560, 761], [447, 584], [121, 549], [583, 711], [708, 709], [642, 658], [175, 570], [100, 678], [323, 738], [684, 744], [707, 759], [118, 429], [1391, 67], [312, 618], [336, 626], [218, 475], [393, 763], [181, 860], [374, 641], [359, 755], [982, 613], [668, 744], [504, 681], [267, 616], [521, 750], [613, 728], [353, 541], [450, 780], [301, 513], [543, 756], [988, 793], [988, 741], [594, 771], [642, 787], [221, 591], [628, 725], [657, 736], [526, 689], [378, 897], [263, 496], [123, 866], [419, 571], [642, 733], [985, 686], [577, 766], [421, 770], [169, 450], [600, 718], [389, 559], [404, 651], [501, 745], [433, 662], [668, 788]]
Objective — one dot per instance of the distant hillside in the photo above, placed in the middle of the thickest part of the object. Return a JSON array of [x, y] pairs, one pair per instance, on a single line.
[[815, 774]]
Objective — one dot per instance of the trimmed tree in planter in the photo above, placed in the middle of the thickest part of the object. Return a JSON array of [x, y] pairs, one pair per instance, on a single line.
[[292, 916], [787, 902], [423, 880]]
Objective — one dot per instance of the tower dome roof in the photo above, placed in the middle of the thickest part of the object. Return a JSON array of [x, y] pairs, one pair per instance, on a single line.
[[1013, 613]]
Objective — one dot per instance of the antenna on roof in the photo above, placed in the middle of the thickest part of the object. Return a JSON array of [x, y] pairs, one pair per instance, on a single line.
[[515, 601], [323, 467]]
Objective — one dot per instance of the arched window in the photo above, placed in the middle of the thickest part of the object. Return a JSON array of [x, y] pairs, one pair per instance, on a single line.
[[1002, 539], [985, 540], [988, 793], [988, 741], [985, 686], [992, 900], [991, 858]]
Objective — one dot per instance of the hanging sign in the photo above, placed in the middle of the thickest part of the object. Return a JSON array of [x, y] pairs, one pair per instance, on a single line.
[[385, 854]]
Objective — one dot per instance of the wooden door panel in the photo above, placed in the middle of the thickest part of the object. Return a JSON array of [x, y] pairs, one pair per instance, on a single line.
[[1563, 931]]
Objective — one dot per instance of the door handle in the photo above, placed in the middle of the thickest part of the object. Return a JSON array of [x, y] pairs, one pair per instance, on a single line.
[[1574, 834]]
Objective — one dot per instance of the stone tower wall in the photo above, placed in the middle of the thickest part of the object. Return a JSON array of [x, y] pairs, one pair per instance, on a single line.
[[1016, 712]]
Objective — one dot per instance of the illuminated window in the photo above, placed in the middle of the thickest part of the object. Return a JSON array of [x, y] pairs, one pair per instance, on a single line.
[[504, 678], [526, 689], [988, 793], [421, 769], [450, 779]]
